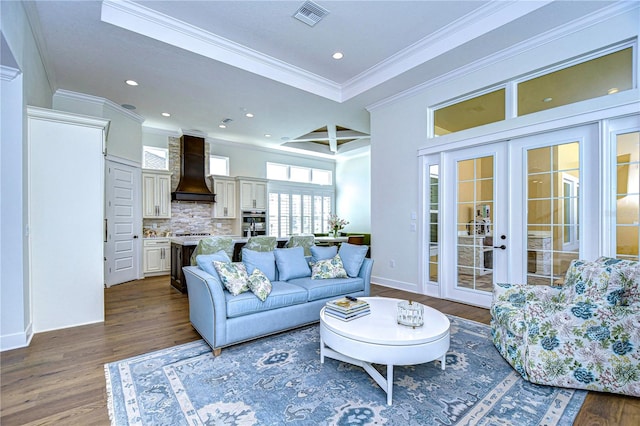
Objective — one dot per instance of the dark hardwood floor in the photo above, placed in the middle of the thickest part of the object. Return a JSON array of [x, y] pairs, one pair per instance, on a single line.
[[59, 378]]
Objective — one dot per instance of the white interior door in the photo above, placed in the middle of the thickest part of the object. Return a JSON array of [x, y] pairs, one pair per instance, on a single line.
[[475, 223], [122, 224]]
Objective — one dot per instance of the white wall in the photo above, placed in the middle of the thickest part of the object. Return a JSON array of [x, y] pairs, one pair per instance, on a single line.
[[247, 160], [399, 128], [29, 88], [125, 129], [244, 160], [353, 191]]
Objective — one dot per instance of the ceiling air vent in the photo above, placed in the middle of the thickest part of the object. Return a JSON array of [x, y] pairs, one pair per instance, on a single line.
[[310, 13]]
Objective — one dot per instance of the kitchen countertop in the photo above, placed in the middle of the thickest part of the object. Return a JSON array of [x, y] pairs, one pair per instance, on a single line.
[[193, 240]]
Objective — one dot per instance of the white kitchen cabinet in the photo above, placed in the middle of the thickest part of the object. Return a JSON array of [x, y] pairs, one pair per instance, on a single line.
[[253, 194], [156, 194], [157, 256], [225, 189]]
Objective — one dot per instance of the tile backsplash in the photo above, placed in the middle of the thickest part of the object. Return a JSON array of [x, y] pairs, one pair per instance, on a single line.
[[186, 216]]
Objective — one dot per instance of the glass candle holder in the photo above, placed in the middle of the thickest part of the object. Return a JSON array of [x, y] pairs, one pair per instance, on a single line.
[[410, 314]]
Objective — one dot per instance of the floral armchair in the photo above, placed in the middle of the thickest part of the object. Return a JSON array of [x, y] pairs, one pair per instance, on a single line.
[[585, 334]]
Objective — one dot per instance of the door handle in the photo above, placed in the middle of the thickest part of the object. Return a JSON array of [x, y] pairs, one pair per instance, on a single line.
[[502, 247]]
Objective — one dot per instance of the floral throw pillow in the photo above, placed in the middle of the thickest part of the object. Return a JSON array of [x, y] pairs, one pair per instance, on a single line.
[[233, 275], [328, 268], [259, 284]]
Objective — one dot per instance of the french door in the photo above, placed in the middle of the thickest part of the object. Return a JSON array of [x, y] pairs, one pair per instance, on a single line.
[[516, 211], [475, 222]]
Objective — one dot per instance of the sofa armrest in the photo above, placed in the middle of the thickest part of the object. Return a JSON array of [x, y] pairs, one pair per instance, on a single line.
[[365, 274], [207, 305]]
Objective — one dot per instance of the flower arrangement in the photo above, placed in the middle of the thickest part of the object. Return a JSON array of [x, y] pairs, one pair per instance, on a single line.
[[336, 224]]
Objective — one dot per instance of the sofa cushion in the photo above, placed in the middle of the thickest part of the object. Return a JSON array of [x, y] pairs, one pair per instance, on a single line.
[[259, 284], [233, 275], [263, 260], [333, 287], [205, 262], [590, 282], [328, 268], [352, 257], [282, 294], [322, 253], [625, 274], [291, 263]]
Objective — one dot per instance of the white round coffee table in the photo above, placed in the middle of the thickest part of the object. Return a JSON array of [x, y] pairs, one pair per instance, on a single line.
[[377, 338]]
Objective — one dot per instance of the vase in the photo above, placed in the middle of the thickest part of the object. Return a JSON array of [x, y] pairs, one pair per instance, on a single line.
[[334, 233]]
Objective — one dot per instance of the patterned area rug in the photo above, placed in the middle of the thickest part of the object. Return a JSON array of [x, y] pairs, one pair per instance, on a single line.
[[279, 380]]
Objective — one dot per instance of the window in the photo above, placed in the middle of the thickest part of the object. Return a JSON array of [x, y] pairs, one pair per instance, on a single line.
[[218, 165], [297, 209], [604, 73], [155, 158], [299, 174], [474, 112]]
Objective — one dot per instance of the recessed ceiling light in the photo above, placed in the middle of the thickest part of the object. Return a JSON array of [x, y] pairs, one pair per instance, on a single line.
[[547, 99], [131, 82], [248, 115], [166, 114], [613, 90], [128, 106], [222, 126], [338, 55], [267, 135]]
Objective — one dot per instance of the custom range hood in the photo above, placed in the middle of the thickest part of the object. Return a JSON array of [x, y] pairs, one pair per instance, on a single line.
[[192, 185]]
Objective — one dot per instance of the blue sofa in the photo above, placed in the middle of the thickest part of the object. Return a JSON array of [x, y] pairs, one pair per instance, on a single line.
[[223, 319]]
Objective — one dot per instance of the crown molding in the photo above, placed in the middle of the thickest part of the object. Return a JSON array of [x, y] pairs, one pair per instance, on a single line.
[[548, 37], [142, 20], [68, 117], [82, 97], [8, 73], [494, 14], [162, 132]]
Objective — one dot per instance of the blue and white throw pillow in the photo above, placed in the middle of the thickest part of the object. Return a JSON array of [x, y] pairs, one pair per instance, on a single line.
[[328, 268], [259, 284], [233, 275]]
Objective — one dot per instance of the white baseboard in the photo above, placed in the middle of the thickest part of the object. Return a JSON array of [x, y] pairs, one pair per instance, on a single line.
[[16, 340], [399, 285]]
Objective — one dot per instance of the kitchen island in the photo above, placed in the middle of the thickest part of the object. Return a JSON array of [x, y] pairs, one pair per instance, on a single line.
[[183, 247]]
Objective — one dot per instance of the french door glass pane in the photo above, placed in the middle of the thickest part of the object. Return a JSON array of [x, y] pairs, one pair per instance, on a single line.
[[553, 183], [434, 207], [628, 195], [474, 223]]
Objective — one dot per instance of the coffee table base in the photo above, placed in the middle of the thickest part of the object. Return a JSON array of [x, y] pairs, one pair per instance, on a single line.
[[385, 383]]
